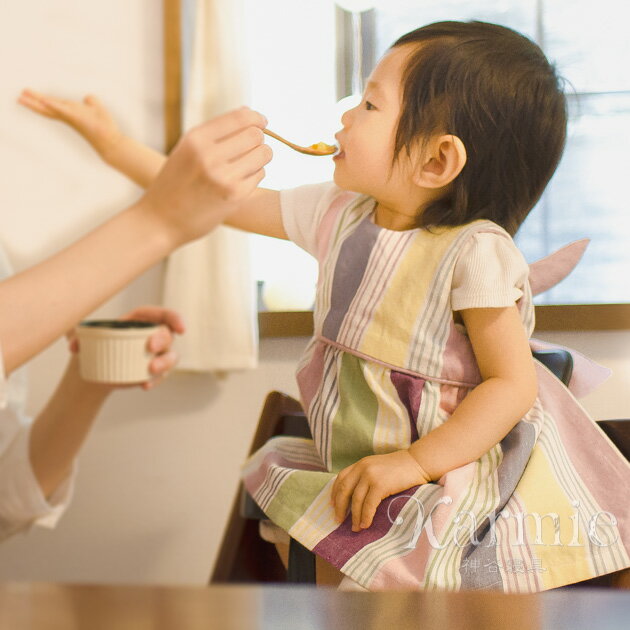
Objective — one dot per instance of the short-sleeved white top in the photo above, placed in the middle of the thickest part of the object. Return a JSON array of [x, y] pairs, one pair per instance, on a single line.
[[490, 271]]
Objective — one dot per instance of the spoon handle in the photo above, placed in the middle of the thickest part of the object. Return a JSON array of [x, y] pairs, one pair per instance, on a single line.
[[272, 134], [316, 149]]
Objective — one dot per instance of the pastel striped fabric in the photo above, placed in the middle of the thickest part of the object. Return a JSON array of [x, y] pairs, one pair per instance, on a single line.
[[547, 506]]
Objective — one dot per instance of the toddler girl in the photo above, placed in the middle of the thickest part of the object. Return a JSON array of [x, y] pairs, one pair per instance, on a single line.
[[442, 456]]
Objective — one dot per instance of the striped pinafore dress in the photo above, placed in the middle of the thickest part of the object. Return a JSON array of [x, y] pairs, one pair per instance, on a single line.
[[547, 506]]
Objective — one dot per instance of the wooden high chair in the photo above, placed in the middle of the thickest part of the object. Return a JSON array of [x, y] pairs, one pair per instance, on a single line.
[[245, 557]]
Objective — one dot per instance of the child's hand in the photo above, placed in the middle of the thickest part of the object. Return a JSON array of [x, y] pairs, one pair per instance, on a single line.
[[88, 117], [365, 484], [158, 344]]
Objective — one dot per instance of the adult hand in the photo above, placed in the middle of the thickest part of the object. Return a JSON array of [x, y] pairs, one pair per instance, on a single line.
[[212, 168], [363, 485], [88, 117], [159, 344]]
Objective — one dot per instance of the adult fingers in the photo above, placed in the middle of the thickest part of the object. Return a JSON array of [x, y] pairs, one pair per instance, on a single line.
[[249, 184], [154, 382], [160, 341], [157, 315], [164, 363], [231, 149], [222, 127], [235, 181], [239, 144], [209, 136], [249, 163]]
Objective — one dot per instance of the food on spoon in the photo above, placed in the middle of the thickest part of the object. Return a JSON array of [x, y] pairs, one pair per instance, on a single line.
[[322, 147]]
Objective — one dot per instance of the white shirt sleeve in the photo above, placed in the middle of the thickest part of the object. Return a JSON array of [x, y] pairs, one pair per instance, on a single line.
[[302, 209], [22, 502], [490, 272]]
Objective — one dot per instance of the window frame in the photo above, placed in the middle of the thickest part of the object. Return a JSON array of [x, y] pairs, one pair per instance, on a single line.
[[549, 317]]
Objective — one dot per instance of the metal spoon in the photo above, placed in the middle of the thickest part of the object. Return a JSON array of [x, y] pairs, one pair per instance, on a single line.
[[321, 148]]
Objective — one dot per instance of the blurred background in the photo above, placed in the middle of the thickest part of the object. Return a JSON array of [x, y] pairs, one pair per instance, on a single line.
[[159, 472]]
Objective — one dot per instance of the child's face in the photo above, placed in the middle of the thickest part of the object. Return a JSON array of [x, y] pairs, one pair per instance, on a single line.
[[366, 142]]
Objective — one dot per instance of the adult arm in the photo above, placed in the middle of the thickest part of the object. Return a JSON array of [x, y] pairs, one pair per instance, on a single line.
[[59, 431], [212, 169]]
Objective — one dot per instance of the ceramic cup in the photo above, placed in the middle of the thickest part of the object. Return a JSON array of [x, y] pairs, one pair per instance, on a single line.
[[114, 351]]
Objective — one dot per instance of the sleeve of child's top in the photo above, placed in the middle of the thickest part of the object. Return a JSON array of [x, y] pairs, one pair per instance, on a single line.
[[490, 272], [302, 209]]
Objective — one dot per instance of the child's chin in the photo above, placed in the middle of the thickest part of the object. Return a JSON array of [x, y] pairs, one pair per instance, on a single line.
[[341, 181]]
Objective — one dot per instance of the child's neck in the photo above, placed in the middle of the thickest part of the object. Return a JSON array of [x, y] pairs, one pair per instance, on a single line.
[[396, 219]]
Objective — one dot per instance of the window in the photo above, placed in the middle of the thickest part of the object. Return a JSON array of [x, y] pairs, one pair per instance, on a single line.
[[291, 79], [299, 72], [589, 45]]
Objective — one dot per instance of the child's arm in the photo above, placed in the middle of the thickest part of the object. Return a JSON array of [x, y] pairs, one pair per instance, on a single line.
[[490, 411], [260, 213], [91, 119], [483, 418], [60, 429]]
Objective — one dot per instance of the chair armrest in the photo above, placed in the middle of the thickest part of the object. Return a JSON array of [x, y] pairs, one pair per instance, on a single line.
[[296, 425], [249, 508], [619, 433]]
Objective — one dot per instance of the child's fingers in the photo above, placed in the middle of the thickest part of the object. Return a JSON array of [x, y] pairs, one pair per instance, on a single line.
[[342, 492], [32, 94], [92, 101], [34, 103], [68, 111], [41, 100], [358, 499], [95, 104], [65, 110], [371, 502]]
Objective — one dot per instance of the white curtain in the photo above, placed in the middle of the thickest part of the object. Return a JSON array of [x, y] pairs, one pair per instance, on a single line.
[[210, 281]]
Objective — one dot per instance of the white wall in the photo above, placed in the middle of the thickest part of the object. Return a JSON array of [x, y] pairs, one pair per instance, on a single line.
[[159, 471]]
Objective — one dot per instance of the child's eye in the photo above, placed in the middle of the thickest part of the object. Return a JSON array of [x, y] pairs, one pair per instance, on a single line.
[[369, 105]]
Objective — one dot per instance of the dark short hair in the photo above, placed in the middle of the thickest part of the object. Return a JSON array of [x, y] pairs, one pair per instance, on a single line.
[[494, 89]]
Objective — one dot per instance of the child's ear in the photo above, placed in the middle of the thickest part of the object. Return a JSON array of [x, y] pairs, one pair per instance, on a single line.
[[442, 161]]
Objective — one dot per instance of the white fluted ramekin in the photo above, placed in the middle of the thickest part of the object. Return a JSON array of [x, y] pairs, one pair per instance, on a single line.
[[115, 351]]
